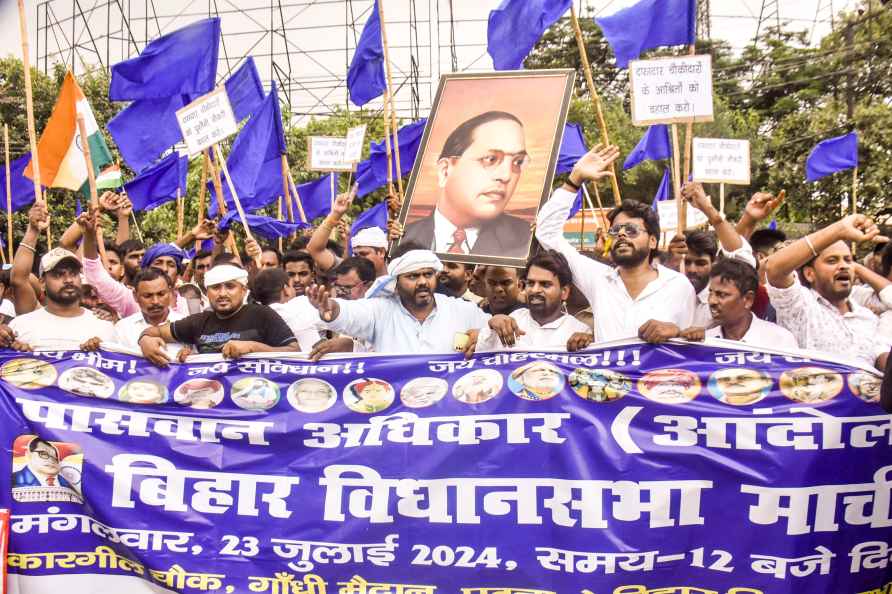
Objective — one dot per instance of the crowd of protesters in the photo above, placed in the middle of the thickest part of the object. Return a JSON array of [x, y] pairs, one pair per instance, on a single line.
[[739, 283]]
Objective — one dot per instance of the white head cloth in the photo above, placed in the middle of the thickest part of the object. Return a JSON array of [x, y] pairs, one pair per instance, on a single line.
[[369, 237], [411, 261], [223, 273]]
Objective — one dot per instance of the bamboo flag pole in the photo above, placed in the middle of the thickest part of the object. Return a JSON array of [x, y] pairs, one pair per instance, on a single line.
[[854, 190], [294, 192], [202, 195], [181, 215], [596, 98], [238, 205], [29, 106], [279, 218], [676, 187], [91, 179], [688, 144], [389, 99], [8, 192], [285, 192], [214, 173], [387, 146]]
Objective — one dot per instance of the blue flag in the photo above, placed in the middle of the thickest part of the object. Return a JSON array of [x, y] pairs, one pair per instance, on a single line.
[[577, 205], [146, 128], [664, 192], [21, 186], [515, 27], [375, 216], [244, 89], [365, 78], [832, 155], [572, 148], [649, 24], [182, 62], [316, 196], [254, 162], [773, 224], [371, 174], [654, 145], [158, 184], [266, 227]]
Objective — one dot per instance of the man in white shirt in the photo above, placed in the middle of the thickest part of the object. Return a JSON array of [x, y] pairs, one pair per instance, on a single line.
[[732, 290], [401, 313], [636, 297], [62, 324], [544, 323], [822, 317], [153, 291], [272, 287]]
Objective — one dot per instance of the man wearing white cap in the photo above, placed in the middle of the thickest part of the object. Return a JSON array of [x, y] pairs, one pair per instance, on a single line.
[[401, 312], [369, 243], [232, 327], [62, 323]]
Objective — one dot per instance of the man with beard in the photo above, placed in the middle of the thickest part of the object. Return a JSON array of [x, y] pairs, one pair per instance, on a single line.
[[402, 313], [232, 327], [62, 323], [638, 297], [153, 291], [454, 281], [821, 316], [132, 252], [544, 323]]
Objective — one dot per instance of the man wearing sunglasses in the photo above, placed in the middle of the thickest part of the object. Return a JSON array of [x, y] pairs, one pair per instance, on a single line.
[[636, 298], [477, 172]]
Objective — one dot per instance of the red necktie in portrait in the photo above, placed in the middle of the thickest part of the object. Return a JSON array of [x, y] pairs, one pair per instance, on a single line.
[[50, 481], [458, 240]]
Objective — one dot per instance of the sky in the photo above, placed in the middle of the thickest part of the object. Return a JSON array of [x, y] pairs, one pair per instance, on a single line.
[[317, 39]]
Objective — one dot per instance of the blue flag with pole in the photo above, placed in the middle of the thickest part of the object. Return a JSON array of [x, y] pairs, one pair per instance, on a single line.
[[371, 174], [832, 155], [264, 226], [664, 192], [654, 145], [159, 183], [515, 27], [649, 24], [316, 196], [22, 187], [572, 148], [181, 62], [365, 77]]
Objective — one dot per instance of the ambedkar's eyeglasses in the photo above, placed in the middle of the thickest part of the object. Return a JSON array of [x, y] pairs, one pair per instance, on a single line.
[[494, 159]]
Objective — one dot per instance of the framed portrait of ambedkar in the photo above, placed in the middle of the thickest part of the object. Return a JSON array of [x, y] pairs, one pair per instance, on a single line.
[[486, 164]]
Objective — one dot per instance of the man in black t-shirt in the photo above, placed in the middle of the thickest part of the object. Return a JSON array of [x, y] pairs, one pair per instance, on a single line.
[[231, 327]]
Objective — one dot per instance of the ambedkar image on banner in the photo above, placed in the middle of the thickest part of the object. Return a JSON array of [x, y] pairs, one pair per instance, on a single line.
[[486, 164]]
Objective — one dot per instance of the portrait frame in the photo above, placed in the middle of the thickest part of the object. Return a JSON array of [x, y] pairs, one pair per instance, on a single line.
[[526, 94]]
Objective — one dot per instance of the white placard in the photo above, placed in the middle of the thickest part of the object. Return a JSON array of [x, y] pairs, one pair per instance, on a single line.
[[671, 90], [326, 153], [668, 212], [206, 121], [721, 161], [355, 140]]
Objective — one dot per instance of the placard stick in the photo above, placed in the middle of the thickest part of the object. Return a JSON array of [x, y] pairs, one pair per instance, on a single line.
[[39, 196], [596, 98], [180, 215], [854, 190], [679, 202], [688, 140], [238, 204], [202, 191], [722, 199], [389, 99], [8, 192], [214, 172]]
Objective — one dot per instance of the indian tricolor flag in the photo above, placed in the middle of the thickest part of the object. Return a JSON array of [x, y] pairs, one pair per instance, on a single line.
[[61, 158], [109, 178]]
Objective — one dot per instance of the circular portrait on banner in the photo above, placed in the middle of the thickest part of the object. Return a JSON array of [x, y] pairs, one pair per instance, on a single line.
[[422, 392], [739, 386], [255, 393], [599, 385], [810, 385], [478, 386], [143, 391], [29, 374], [368, 395], [670, 386], [311, 395], [865, 386], [86, 381], [539, 380], [199, 393]]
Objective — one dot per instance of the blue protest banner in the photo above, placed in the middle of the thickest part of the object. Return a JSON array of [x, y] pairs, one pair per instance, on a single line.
[[625, 469]]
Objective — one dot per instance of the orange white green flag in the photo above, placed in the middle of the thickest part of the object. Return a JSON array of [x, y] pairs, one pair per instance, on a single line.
[[61, 158]]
